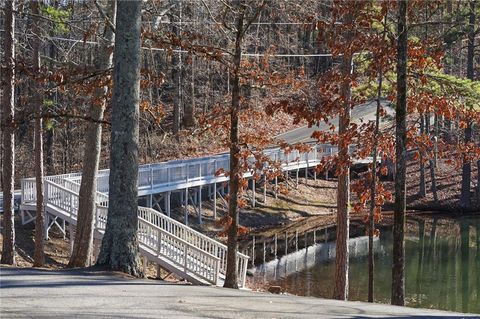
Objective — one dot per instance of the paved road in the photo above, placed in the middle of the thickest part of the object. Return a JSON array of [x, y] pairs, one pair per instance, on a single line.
[[33, 293], [365, 112]]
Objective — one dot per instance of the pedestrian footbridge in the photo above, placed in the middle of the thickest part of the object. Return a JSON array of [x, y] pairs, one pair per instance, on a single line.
[[169, 243]]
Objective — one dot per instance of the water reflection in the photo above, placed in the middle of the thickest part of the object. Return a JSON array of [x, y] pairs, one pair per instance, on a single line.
[[442, 266]]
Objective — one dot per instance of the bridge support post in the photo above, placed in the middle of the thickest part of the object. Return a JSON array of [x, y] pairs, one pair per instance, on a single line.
[[253, 192], [186, 206], [314, 236], [276, 187], [306, 175], [215, 200], [296, 183], [159, 271], [253, 251], [315, 174], [264, 250], [64, 228], [167, 202], [145, 264], [150, 200], [200, 204], [296, 240], [46, 225], [286, 178], [71, 235], [264, 188], [275, 245]]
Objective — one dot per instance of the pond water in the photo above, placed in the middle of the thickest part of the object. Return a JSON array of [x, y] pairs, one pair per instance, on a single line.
[[442, 266]]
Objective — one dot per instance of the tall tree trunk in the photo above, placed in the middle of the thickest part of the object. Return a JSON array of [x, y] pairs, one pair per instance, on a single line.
[[422, 190], [189, 116], [343, 193], [467, 166], [176, 78], [39, 255], [83, 247], [373, 192], [398, 267], [231, 280], [119, 250], [478, 184], [433, 179], [49, 160], [8, 127]]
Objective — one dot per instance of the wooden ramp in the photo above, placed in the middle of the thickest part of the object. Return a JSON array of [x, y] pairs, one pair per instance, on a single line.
[[172, 245]]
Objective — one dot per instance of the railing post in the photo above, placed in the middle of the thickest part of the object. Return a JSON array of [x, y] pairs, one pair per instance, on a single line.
[[217, 271], [185, 255], [71, 204], [159, 242], [151, 177], [22, 199]]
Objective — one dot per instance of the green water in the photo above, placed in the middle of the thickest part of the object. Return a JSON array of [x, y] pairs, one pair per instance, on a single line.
[[442, 268]]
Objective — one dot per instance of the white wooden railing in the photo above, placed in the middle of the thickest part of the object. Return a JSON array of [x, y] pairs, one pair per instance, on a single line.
[[179, 174], [189, 250], [168, 238], [195, 238]]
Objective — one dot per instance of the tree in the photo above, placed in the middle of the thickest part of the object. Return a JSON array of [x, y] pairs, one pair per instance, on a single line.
[[467, 166], [343, 192], [398, 268], [83, 247], [39, 256], [373, 192], [176, 73], [236, 172], [119, 250], [8, 247]]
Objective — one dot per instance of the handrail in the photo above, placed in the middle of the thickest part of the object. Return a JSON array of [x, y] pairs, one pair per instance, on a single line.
[[179, 239], [190, 235], [146, 180], [168, 173], [204, 264]]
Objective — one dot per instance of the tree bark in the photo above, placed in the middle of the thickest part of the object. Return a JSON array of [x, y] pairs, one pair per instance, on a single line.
[[176, 79], [373, 193], [82, 253], [119, 250], [8, 169], [39, 255], [433, 179], [422, 190], [231, 277], [343, 194], [398, 268], [189, 116], [467, 166]]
